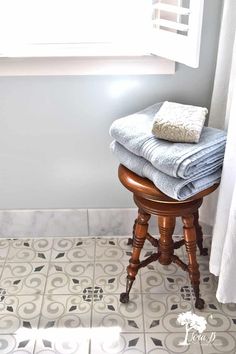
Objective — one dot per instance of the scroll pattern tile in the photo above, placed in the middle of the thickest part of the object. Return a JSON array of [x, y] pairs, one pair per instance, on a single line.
[[30, 250], [109, 312], [169, 343], [220, 317], [157, 278], [130, 343], [112, 249], [4, 248], [73, 249], [111, 277], [65, 311], [24, 278], [16, 343], [19, 313], [61, 296], [225, 342], [69, 278], [161, 312]]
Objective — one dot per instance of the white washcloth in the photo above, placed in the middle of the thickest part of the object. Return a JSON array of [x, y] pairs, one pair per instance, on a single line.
[[179, 123]]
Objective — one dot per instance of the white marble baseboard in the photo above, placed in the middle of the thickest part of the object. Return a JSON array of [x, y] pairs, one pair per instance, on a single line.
[[74, 222], [43, 223]]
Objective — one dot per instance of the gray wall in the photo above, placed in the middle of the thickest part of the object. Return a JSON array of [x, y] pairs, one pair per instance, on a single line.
[[54, 142]]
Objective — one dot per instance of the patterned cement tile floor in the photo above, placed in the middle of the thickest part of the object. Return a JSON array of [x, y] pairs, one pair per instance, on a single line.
[[62, 296]]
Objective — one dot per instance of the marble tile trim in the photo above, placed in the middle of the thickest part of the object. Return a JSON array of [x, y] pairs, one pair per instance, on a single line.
[[74, 223], [43, 223]]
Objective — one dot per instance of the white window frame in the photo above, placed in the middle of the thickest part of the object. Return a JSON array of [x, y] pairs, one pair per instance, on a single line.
[[74, 65], [86, 66]]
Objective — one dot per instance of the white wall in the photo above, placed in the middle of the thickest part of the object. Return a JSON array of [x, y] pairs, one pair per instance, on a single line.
[[54, 142]]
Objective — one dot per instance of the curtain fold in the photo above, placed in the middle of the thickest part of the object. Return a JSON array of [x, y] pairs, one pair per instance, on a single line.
[[218, 118], [223, 115]]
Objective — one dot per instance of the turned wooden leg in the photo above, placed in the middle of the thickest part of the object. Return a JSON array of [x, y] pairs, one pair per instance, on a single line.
[[130, 240], [203, 251], [190, 243], [166, 245], [140, 234]]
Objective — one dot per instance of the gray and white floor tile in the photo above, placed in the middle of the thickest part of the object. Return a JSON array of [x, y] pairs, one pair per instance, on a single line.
[[161, 312], [69, 278], [116, 343], [111, 277], [65, 311], [61, 296], [110, 312], [20, 343], [169, 343], [4, 248], [157, 278], [73, 249], [19, 313], [24, 278], [30, 250]]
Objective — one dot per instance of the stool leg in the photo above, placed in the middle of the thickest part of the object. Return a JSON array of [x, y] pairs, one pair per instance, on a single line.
[[203, 251], [130, 240], [140, 234], [166, 245], [190, 243]]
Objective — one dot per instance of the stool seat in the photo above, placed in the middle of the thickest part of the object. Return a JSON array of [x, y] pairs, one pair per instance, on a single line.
[[146, 189], [151, 201]]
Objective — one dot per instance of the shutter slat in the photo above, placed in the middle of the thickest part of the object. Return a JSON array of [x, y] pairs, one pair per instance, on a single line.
[[171, 24], [171, 8]]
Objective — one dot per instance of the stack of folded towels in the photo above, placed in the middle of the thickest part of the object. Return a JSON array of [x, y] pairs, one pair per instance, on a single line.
[[168, 144]]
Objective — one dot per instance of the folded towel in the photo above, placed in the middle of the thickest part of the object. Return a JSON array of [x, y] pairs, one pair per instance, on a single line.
[[179, 122], [176, 188], [182, 160]]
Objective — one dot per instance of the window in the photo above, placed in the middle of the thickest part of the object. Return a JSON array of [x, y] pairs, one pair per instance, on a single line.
[[177, 30], [101, 28]]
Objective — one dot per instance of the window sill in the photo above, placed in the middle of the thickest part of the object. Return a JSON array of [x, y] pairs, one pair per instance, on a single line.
[[86, 66]]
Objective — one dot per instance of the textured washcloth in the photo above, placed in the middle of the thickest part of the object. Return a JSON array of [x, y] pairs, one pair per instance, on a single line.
[[179, 122], [182, 160], [176, 188]]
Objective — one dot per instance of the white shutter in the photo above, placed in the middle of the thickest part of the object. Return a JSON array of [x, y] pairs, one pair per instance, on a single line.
[[41, 28], [176, 30]]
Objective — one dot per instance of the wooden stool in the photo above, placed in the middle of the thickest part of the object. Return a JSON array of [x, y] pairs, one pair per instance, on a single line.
[[150, 200]]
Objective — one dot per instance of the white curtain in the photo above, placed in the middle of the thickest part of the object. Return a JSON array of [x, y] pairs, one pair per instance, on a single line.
[[223, 115]]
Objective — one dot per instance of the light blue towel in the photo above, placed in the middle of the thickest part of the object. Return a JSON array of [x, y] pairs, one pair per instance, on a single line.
[[176, 188], [182, 160]]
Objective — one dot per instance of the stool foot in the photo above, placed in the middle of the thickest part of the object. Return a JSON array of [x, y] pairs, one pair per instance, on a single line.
[[124, 298], [199, 303], [139, 236]]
